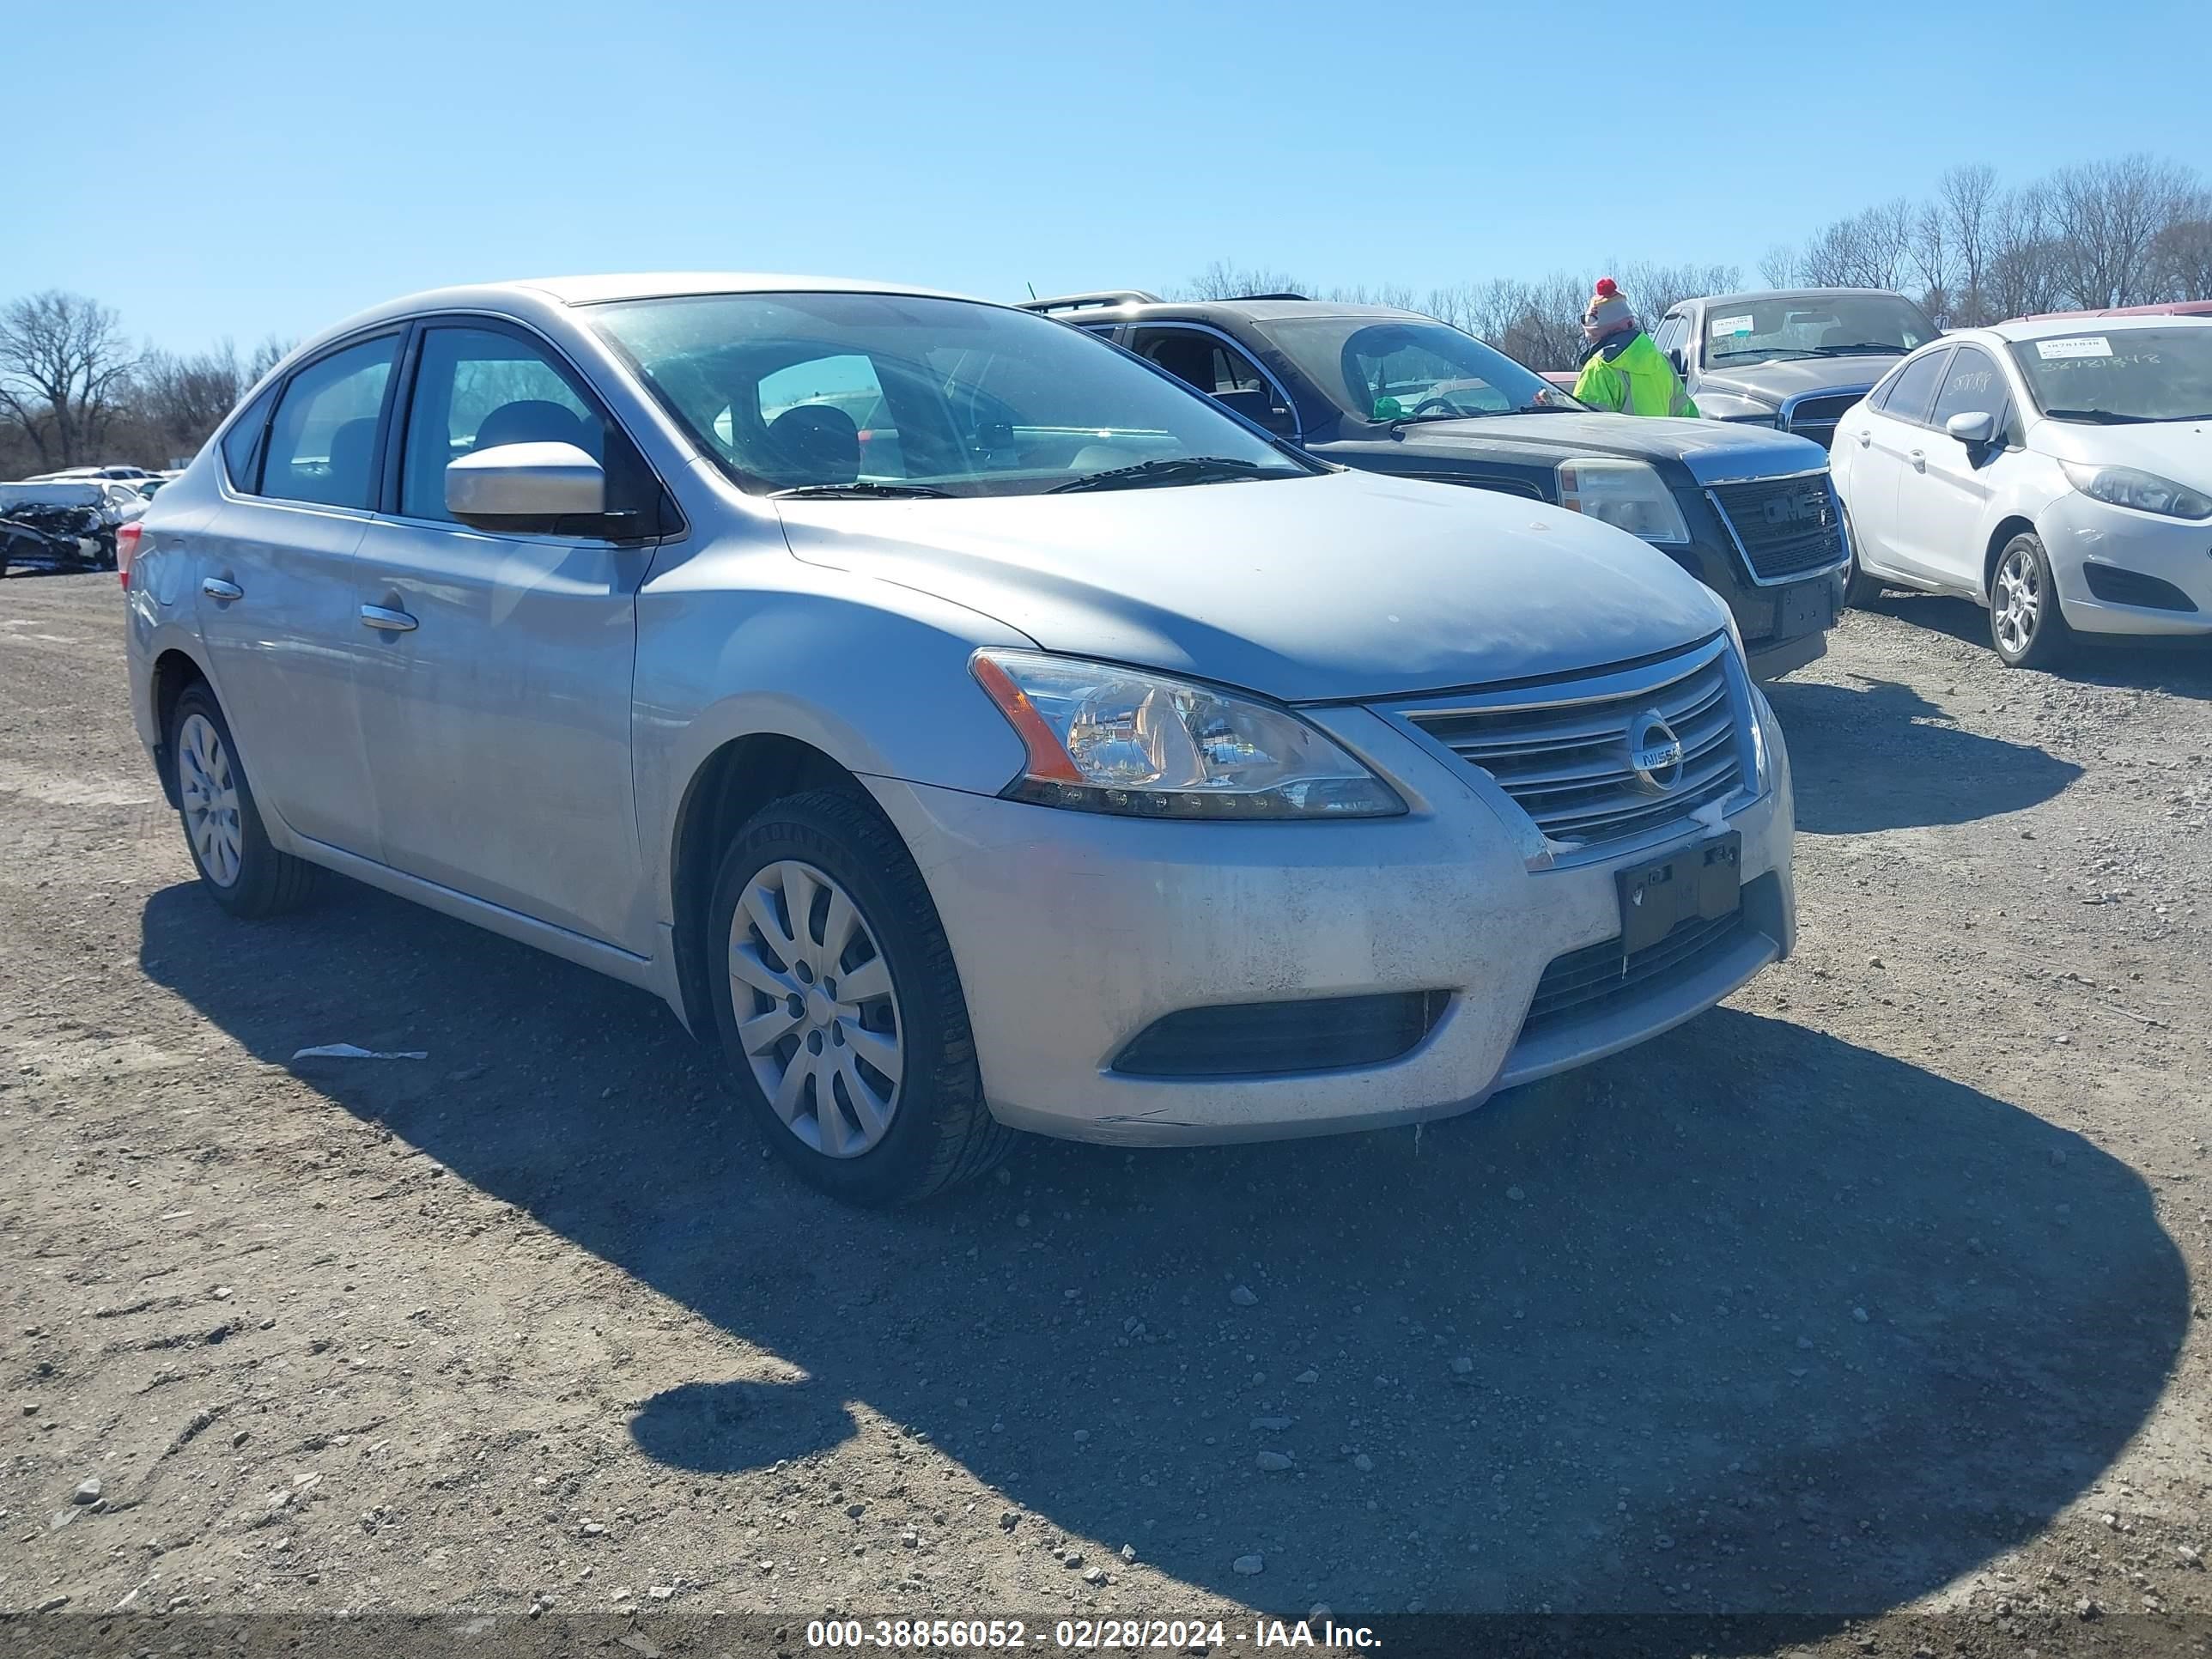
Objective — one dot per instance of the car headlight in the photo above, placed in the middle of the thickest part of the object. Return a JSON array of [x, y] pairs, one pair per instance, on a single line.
[[2146, 492], [1630, 495], [1106, 739]]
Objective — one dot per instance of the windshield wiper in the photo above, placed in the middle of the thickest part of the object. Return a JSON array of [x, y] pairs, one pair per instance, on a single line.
[[1859, 349], [2101, 417], [863, 488], [1177, 468], [1781, 354]]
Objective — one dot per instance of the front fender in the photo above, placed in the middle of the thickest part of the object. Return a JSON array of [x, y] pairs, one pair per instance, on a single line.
[[737, 643]]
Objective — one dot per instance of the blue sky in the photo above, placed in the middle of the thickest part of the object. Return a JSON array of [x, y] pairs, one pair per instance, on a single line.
[[248, 169]]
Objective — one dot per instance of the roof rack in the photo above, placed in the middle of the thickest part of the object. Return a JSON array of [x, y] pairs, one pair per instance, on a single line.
[[1112, 296], [1306, 298]]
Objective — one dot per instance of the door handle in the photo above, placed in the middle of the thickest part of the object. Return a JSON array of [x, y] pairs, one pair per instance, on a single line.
[[1920, 459], [385, 620], [216, 588], [1865, 439]]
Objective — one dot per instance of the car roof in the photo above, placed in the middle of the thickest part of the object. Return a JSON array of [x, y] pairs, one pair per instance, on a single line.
[[1753, 297], [1259, 309], [2055, 328]]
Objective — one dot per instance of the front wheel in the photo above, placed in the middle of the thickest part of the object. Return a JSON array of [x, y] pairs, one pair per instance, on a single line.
[[2026, 624], [840, 1008]]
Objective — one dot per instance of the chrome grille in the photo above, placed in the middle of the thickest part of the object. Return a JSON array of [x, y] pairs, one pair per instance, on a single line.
[[1785, 528], [1561, 750], [1816, 417]]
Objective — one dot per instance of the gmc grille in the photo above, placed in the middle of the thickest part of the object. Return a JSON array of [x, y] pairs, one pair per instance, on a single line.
[[1785, 528]]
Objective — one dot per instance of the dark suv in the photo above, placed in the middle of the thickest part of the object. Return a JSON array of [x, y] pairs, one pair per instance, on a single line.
[[1750, 513]]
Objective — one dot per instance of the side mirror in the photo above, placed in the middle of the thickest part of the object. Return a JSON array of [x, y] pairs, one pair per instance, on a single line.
[[525, 487], [1974, 428], [1682, 364], [1258, 405]]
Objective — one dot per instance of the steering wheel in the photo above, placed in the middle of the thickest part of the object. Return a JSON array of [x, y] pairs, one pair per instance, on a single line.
[[1443, 403]]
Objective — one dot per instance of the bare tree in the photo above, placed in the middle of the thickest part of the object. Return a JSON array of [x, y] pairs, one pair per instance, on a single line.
[[1871, 248], [64, 362], [2181, 255], [2024, 273], [1227, 280], [1965, 209], [1655, 289], [2107, 214], [1779, 268]]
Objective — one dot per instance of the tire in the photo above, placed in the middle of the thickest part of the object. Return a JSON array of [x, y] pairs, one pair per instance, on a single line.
[[239, 868], [1860, 590], [2026, 625], [876, 1145]]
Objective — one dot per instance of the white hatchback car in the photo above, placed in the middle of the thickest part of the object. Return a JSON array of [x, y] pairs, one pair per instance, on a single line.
[[2058, 471]]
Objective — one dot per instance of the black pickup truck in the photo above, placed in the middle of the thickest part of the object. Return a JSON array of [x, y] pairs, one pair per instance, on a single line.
[[1749, 511]]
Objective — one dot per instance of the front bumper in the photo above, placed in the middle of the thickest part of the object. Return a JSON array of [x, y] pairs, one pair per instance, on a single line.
[[1074, 933], [2078, 532]]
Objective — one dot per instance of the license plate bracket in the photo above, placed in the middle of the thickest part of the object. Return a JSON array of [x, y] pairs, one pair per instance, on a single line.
[[1703, 882]]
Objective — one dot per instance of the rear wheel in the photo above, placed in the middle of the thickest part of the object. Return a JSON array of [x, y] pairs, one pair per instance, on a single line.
[[2026, 623], [839, 1006], [238, 866]]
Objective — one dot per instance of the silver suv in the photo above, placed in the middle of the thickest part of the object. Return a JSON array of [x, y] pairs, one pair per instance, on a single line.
[[973, 727]]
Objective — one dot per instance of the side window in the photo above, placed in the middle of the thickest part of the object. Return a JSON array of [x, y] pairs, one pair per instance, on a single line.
[[1914, 388], [1212, 366], [1974, 385], [478, 388], [241, 444], [322, 444]]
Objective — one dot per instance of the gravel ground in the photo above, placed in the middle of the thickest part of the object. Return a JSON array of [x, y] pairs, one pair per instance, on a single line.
[[1874, 1296]]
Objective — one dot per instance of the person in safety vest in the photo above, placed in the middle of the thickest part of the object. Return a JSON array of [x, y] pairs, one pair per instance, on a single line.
[[1623, 370]]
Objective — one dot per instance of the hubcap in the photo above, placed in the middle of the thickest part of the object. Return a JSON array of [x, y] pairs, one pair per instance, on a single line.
[[208, 789], [2018, 603], [817, 1016]]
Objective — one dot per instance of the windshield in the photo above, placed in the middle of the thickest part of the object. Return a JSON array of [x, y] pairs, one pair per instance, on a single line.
[[2122, 375], [1742, 331], [1396, 371], [891, 395]]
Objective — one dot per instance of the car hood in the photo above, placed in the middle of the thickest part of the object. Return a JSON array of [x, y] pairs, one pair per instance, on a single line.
[[1712, 450], [1342, 585], [2178, 450], [1771, 382]]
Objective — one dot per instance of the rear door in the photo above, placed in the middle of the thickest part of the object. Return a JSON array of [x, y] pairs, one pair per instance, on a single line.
[[274, 570], [1892, 443], [497, 668]]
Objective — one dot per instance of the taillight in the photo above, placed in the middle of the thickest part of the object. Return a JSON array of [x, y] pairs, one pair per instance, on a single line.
[[126, 549]]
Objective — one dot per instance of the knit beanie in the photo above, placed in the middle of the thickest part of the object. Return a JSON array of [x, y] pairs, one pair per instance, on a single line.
[[1607, 310]]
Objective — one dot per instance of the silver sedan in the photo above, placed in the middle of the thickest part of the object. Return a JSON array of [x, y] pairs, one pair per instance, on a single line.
[[963, 722]]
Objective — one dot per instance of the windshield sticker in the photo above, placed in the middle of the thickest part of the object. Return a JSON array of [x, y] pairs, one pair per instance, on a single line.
[[2086, 345], [1722, 326]]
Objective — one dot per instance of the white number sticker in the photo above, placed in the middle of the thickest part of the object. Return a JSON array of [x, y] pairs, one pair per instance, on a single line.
[[1726, 325], [2086, 345]]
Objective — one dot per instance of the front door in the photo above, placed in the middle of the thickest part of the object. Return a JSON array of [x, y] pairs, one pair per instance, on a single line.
[[496, 680], [1943, 503], [1893, 453], [276, 602]]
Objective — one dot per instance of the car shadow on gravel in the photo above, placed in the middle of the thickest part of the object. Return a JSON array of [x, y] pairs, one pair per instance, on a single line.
[[2180, 667], [1879, 756], [1747, 1320]]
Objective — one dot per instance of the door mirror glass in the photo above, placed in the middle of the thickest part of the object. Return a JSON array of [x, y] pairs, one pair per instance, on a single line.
[[1973, 426], [1257, 404], [526, 487]]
